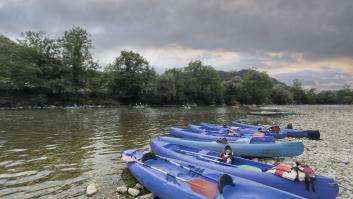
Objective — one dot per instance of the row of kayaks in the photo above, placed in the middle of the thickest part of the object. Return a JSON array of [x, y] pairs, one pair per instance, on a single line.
[[194, 167]]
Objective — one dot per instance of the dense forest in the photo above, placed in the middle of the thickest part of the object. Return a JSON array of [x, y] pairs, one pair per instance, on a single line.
[[37, 70]]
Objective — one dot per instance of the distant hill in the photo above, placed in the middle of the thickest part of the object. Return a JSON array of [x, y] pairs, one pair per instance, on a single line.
[[223, 75]]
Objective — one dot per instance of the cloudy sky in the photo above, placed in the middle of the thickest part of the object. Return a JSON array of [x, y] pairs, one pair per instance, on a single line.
[[311, 40]]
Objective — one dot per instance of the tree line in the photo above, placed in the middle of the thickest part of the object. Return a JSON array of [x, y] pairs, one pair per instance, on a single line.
[[37, 70]]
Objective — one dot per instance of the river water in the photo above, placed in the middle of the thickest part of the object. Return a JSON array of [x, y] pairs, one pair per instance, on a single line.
[[58, 153]]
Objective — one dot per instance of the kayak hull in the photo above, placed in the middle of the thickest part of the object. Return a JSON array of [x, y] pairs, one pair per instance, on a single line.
[[323, 186], [275, 149], [243, 130], [311, 134], [185, 133]]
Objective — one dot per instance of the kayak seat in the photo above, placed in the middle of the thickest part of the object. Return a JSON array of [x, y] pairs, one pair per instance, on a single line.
[[148, 156], [224, 180]]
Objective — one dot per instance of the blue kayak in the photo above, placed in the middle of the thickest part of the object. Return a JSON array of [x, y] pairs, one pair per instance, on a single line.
[[168, 179], [187, 133], [323, 187], [311, 134], [242, 130], [240, 148]]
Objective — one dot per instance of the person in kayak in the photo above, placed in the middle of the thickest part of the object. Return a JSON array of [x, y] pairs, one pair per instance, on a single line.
[[227, 155]]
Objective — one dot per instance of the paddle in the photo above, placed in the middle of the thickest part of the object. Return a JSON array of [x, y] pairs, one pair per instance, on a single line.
[[184, 167], [197, 185], [208, 157]]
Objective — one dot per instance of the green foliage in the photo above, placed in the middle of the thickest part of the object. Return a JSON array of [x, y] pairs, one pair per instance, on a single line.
[[131, 77], [281, 95], [327, 97], [234, 91], [258, 86], [311, 96], [39, 70], [298, 93], [75, 46], [166, 89], [203, 83]]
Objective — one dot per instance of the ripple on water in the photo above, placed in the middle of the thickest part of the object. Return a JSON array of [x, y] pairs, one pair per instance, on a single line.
[[15, 163], [17, 175], [16, 150], [28, 178]]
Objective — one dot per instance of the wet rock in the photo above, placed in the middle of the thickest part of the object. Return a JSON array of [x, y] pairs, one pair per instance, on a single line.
[[91, 190], [121, 189], [138, 186], [147, 196], [133, 192]]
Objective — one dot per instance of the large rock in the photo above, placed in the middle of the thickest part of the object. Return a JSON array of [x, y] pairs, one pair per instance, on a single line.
[[134, 192], [147, 196], [121, 189], [91, 190], [138, 186]]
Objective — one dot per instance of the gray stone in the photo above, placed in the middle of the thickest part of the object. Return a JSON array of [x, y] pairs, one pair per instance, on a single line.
[[139, 186], [134, 192], [121, 189], [91, 190], [147, 196]]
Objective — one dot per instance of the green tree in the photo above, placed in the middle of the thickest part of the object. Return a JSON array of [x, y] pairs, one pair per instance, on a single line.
[[180, 85], [311, 96], [131, 77], [75, 46], [258, 86], [54, 77], [298, 92], [345, 95], [327, 97], [234, 91], [166, 89], [281, 95], [203, 83]]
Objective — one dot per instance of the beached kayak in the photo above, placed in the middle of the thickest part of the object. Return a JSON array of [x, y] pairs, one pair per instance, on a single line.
[[203, 126], [168, 179], [240, 148], [204, 135], [311, 134], [271, 113], [321, 187]]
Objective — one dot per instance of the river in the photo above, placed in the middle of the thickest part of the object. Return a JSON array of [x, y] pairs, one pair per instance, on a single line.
[[57, 153]]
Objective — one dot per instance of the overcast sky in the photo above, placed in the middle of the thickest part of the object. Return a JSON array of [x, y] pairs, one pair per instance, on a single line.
[[311, 40]]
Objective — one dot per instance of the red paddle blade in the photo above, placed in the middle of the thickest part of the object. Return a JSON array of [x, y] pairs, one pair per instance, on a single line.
[[128, 158], [203, 187]]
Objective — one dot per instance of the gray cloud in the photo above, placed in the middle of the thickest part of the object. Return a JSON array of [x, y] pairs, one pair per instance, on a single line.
[[318, 29], [322, 79]]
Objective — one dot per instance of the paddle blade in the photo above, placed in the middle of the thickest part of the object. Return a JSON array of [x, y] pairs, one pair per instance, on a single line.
[[203, 187], [128, 158]]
